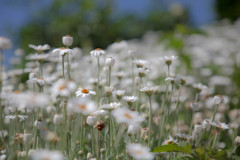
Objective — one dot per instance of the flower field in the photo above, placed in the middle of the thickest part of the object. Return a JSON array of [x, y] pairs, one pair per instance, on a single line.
[[159, 97]]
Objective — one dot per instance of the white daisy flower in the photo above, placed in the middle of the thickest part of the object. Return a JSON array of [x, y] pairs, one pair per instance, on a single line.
[[220, 125], [81, 106], [119, 93], [37, 57], [84, 93], [97, 52], [148, 90], [130, 99], [46, 155], [139, 152], [62, 51], [5, 43], [124, 115], [39, 81], [169, 59], [63, 88], [39, 48], [170, 140], [21, 117], [140, 63], [111, 106]]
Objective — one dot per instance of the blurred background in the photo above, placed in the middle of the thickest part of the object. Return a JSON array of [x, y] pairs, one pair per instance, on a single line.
[[98, 23]]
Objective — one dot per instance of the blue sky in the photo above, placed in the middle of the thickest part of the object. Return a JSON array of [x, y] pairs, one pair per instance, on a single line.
[[16, 13]]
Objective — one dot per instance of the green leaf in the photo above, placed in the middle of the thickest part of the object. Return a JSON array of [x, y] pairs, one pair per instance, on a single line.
[[174, 148]]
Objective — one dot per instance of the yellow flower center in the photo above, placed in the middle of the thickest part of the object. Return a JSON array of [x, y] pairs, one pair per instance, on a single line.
[[62, 48], [82, 106], [17, 92], [170, 142], [85, 91], [139, 152], [68, 35], [62, 87], [98, 49], [128, 116]]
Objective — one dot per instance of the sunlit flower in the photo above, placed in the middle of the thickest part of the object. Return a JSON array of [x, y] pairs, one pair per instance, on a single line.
[[39, 48], [139, 152], [84, 93], [67, 40], [170, 140], [124, 115], [97, 52], [62, 51]]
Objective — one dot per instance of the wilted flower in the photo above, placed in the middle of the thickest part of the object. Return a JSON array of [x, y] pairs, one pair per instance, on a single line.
[[139, 152]]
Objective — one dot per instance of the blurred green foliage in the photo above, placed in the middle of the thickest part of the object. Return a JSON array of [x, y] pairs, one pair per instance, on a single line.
[[228, 9], [92, 24]]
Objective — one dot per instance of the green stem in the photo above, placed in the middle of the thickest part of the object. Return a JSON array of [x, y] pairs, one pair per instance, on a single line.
[[1, 66], [149, 122], [63, 72], [109, 77], [132, 75], [69, 67], [36, 130], [98, 70]]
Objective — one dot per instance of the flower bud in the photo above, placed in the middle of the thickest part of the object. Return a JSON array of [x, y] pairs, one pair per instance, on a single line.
[[237, 141], [67, 40], [91, 120], [110, 61], [58, 119]]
